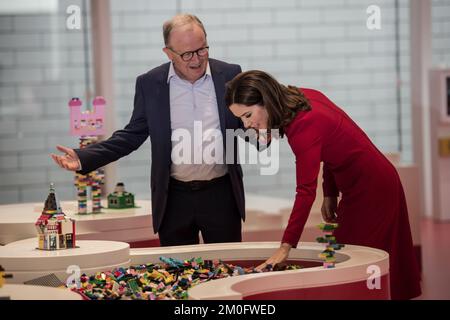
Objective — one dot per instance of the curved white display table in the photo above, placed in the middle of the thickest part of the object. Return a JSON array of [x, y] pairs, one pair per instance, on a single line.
[[27, 292], [266, 220], [25, 262], [348, 280], [128, 225]]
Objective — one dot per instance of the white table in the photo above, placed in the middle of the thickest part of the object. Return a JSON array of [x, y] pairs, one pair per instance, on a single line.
[[266, 218], [348, 280]]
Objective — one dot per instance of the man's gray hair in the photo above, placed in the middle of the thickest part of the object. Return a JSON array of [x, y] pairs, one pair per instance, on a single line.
[[178, 21]]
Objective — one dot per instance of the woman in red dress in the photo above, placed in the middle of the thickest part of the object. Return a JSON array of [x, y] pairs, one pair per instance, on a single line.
[[372, 211]]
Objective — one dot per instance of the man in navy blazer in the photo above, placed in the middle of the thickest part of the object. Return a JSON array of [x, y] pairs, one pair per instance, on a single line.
[[186, 198]]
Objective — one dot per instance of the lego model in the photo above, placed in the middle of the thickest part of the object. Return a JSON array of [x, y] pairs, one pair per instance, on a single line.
[[88, 125], [120, 198], [329, 241], [55, 230], [3, 276]]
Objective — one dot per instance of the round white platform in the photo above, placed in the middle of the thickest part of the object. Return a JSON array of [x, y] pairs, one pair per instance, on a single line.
[[27, 292], [25, 262]]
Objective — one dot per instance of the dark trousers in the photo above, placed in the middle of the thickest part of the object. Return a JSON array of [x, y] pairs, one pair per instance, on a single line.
[[206, 207]]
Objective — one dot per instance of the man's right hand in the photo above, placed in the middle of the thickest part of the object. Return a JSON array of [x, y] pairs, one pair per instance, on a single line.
[[69, 160]]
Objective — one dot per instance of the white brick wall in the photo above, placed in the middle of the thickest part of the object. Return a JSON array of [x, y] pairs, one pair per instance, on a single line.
[[441, 32], [41, 68], [322, 44]]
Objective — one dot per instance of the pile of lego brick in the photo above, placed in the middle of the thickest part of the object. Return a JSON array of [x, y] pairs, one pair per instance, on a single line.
[[168, 280], [330, 244], [81, 184]]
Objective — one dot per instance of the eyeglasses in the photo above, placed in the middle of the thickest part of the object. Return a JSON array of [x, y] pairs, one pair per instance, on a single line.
[[188, 55]]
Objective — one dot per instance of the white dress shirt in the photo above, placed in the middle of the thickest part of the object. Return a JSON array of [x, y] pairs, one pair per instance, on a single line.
[[195, 103]]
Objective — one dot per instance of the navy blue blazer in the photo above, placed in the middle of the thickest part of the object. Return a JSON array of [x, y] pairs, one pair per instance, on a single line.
[[151, 117]]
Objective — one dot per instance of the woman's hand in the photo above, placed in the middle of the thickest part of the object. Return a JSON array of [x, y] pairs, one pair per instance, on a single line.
[[329, 209], [279, 256]]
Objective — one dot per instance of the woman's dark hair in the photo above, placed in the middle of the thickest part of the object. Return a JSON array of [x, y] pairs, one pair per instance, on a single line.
[[257, 87]]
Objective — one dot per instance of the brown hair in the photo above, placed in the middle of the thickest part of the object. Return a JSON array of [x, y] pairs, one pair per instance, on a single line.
[[257, 87], [178, 21]]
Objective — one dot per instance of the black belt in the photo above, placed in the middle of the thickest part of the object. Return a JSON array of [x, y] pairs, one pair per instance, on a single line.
[[196, 184]]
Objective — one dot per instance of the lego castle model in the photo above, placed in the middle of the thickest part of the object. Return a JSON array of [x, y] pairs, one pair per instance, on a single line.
[[55, 230], [88, 125], [120, 198]]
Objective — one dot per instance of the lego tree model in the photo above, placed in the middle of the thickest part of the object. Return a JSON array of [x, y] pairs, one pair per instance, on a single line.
[[330, 244]]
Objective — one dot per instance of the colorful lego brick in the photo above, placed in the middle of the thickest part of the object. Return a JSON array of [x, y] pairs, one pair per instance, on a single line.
[[92, 180], [328, 255], [167, 281], [328, 226], [3, 276]]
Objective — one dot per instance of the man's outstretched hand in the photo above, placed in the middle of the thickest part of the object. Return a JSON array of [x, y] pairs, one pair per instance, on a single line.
[[68, 161]]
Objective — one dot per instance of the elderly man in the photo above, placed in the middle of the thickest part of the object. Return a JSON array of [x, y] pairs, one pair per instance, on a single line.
[[187, 198]]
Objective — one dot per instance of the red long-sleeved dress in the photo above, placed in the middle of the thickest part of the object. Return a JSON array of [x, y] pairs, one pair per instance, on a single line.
[[372, 211]]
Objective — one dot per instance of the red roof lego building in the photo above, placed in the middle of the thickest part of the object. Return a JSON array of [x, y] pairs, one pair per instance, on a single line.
[[55, 230]]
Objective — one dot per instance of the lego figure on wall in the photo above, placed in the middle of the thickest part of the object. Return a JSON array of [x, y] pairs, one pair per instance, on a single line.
[[88, 125], [120, 198], [55, 230]]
